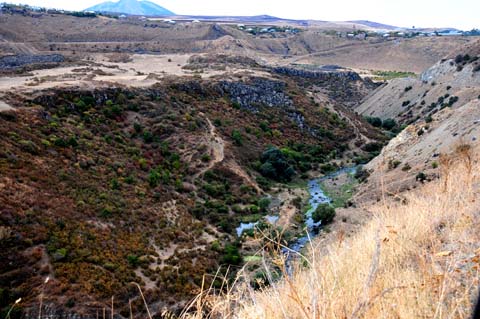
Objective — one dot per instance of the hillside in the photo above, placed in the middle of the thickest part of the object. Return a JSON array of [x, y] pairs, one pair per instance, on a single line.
[[414, 258], [441, 108], [121, 184], [132, 7], [407, 246], [41, 33]]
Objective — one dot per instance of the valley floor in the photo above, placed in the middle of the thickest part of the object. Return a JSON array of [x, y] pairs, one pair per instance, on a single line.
[[417, 257]]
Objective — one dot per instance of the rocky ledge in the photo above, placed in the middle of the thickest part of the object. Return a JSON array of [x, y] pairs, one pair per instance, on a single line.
[[15, 61]]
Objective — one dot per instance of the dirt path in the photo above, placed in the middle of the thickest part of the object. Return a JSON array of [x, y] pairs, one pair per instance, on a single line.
[[234, 167], [217, 152], [217, 149]]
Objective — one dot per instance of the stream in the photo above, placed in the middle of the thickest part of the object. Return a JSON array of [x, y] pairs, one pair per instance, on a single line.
[[317, 197]]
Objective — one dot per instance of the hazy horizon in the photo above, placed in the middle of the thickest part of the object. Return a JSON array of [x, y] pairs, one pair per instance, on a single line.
[[461, 14]]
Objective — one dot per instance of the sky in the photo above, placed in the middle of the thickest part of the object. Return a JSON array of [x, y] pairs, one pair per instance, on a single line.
[[461, 14]]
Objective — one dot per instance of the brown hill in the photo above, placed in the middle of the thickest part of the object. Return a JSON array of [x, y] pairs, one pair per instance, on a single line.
[[78, 37], [442, 110]]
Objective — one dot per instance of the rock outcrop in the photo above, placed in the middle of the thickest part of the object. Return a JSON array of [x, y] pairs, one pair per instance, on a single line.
[[16, 61]]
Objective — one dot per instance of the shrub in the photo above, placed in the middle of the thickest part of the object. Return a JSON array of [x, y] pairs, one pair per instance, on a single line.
[[231, 255], [154, 178], [263, 183], [264, 126], [237, 138], [327, 168], [452, 100], [254, 209], [60, 142], [264, 203], [324, 213], [406, 167], [408, 88], [114, 184], [130, 180], [459, 58], [372, 147], [421, 177], [392, 164], [137, 127], [133, 260], [389, 124], [147, 137], [275, 166], [374, 121]]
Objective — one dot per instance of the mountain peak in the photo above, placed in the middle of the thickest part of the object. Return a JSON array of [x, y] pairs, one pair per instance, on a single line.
[[132, 7]]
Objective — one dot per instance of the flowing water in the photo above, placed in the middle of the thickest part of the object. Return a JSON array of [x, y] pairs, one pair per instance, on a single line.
[[317, 197]]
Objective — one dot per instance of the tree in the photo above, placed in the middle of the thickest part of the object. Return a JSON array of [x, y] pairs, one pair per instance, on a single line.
[[275, 165], [389, 124], [374, 121], [324, 213]]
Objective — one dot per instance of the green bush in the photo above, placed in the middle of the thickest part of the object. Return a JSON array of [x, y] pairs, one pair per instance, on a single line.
[[154, 178], [374, 121], [264, 203], [372, 147], [324, 213], [361, 174], [147, 137], [421, 177], [231, 255], [137, 127], [389, 124], [275, 166], [237, 138], [133, 260]]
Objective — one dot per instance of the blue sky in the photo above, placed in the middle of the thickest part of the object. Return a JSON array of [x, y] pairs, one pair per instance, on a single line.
[[463, 14]]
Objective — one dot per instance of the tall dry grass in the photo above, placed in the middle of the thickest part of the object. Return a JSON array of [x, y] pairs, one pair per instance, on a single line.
[[416, 258]]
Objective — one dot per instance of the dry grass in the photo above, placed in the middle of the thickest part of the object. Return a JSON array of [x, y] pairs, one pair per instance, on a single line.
[[416, 258]]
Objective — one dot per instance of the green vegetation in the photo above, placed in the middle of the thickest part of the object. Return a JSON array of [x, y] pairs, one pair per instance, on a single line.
[[324, 213], [387, 124], [231, 255], [275, 166], [237, 137], [390, 75], [340, 194]]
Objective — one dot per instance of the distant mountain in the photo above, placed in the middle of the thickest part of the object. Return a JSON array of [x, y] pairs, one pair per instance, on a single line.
[[375, 25], [133, 7]]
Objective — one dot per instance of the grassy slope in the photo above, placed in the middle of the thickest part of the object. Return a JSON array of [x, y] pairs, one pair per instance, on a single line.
[[416, 258]]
